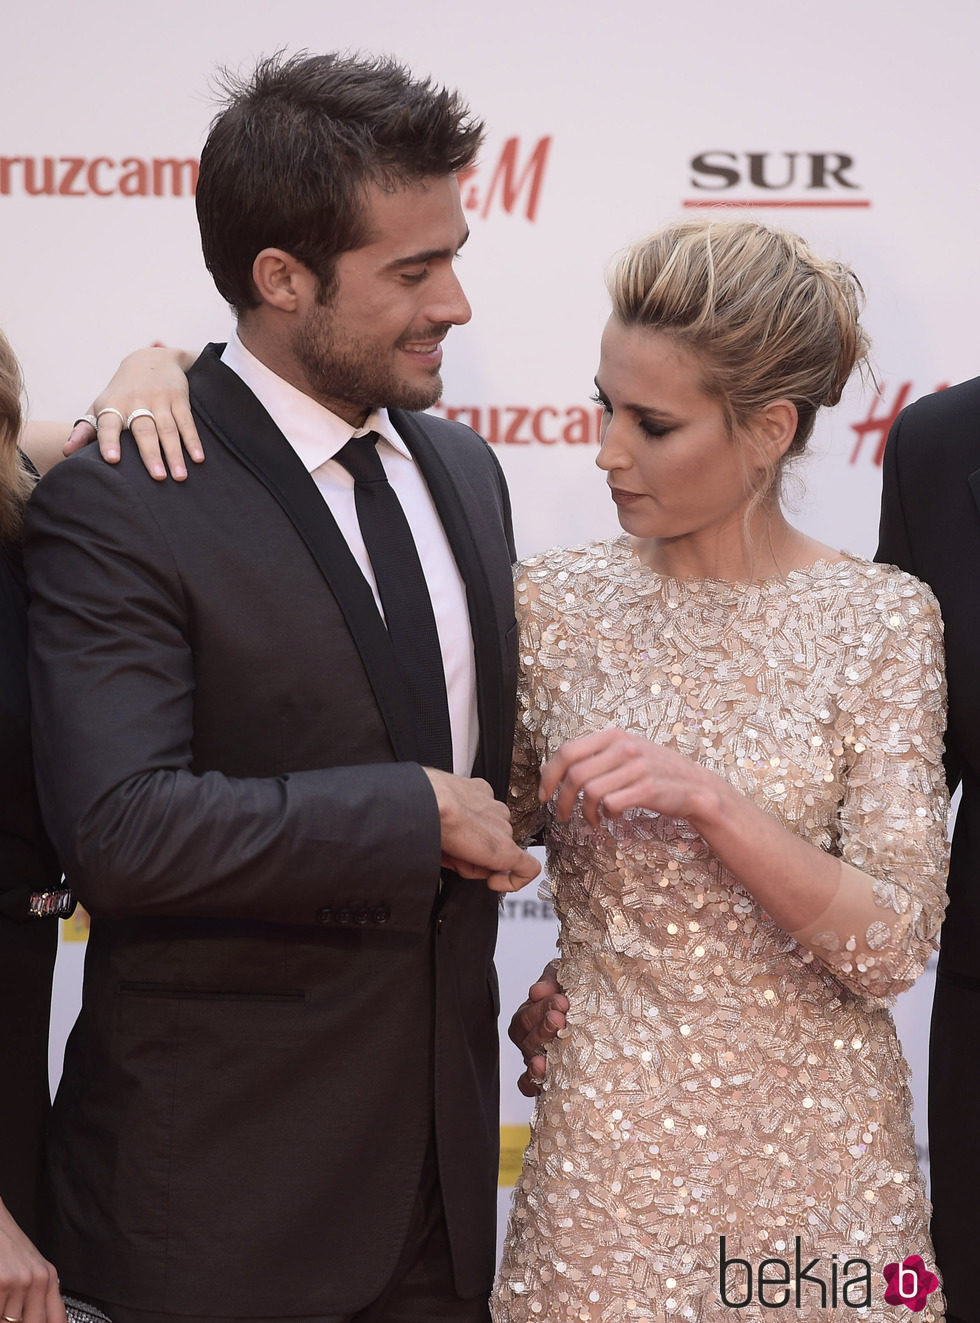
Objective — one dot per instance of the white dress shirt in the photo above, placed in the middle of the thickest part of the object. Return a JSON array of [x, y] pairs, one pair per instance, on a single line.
[[317, 435]]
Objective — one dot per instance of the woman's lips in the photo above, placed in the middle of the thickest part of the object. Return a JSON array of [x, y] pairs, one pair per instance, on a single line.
[[623, 497]]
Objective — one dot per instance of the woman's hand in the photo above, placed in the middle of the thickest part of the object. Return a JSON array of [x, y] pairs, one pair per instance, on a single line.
[[795, 883], [614, 770], [151, 379], [28, 1283]]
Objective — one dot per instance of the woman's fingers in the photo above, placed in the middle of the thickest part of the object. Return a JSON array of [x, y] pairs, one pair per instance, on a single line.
[[614, 770]]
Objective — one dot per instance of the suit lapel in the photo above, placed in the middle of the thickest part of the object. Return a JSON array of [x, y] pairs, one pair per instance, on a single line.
[[974, 481], [461, 511], [217, 394]]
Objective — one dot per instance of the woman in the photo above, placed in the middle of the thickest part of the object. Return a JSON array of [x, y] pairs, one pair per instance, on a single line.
[[28, 1285], [738, 733]]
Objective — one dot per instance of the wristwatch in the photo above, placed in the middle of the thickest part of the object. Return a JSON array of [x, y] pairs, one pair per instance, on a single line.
[[51, 904]]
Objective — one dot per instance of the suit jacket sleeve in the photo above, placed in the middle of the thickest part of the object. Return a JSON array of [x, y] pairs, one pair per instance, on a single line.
[[138, 831], [894, 546]]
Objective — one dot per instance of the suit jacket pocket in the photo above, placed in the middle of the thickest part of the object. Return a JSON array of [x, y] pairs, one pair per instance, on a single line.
[[203, 993]]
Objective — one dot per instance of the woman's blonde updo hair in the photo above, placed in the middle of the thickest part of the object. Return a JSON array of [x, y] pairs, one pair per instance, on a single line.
[[765, 317], [15, 481]]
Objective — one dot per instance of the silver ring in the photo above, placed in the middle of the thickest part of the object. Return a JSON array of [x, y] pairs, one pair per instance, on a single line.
[[140, 413], [92, 421], [109, 409]]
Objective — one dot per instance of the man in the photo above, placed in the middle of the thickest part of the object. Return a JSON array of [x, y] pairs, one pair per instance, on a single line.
[[280, 1100], [930, 526]]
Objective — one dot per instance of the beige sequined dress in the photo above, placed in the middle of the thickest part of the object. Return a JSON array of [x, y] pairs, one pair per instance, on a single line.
[[716, 1076]]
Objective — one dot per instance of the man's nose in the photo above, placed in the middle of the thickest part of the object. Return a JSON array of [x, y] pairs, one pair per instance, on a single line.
[[451, 303]]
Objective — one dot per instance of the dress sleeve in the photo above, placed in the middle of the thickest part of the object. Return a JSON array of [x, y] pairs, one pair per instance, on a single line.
[[883, 924], [526, 812]]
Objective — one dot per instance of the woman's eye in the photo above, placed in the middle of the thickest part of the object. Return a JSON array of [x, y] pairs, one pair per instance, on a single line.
[[652, 429], [596, 398]]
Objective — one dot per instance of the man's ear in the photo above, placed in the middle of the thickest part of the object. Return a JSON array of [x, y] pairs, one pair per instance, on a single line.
[[282, 281]]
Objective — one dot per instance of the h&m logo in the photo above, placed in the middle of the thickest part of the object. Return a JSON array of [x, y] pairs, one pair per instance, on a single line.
[[507, 181], [763, 179]]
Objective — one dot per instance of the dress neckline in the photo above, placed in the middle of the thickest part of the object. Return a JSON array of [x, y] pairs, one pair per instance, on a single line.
[[820, 568]]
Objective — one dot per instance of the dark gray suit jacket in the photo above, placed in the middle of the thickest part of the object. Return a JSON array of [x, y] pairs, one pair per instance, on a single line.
[[930, 525], [278, 999]]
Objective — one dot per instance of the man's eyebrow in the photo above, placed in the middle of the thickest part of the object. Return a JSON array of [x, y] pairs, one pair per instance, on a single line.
[[430, 255]]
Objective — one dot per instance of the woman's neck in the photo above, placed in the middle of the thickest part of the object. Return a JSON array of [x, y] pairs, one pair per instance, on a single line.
[[768, 548]]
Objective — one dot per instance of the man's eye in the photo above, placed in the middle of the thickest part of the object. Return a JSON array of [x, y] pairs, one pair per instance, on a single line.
[[414, 277]]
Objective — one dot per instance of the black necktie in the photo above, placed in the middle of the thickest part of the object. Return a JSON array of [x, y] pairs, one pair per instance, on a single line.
[[404, 598]]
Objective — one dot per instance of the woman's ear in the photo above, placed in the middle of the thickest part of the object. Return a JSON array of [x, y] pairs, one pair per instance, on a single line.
[[775, 427]]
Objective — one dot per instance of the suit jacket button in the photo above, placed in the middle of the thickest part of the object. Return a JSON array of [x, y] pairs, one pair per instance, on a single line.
[[382, 914], [342, 916], [325, 915], [361, 916]]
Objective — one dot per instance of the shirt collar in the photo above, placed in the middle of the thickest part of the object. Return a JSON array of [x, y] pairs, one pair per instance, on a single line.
[[314, 432]]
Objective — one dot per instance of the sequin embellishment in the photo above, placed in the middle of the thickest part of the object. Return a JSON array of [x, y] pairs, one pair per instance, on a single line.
[[716, 1077]]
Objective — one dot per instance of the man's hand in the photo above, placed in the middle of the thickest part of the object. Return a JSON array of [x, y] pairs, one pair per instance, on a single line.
[[476, 836], [28, 1283], [534, 1025]]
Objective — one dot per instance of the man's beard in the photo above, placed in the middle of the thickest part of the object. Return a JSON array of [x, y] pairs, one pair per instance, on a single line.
[[339, 370]]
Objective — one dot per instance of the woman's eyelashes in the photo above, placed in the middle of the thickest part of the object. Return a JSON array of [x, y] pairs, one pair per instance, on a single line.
[[648, 425], [651, 427]]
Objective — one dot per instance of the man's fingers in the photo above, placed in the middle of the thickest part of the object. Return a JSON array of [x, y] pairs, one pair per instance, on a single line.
[[516, 878], [524, 870], [536, 1023], [530, 1082], [540, 1033]]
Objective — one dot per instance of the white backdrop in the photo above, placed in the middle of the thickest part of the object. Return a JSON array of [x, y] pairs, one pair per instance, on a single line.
[[848, 122]]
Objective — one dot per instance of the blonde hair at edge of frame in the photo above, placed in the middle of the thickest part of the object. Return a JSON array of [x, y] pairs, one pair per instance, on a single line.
[[765, 318], [15, 481]]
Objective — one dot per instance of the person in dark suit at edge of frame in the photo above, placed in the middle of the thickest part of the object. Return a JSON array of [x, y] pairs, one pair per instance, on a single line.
[[272, 711], [930, 526]]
